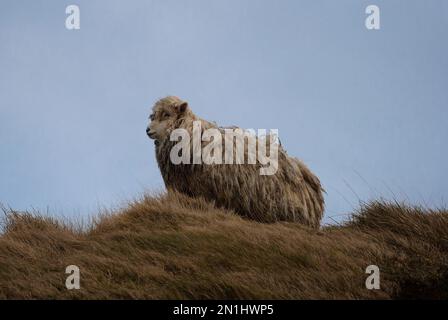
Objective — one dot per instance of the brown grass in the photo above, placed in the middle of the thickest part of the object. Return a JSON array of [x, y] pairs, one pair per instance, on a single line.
[[171, 246]]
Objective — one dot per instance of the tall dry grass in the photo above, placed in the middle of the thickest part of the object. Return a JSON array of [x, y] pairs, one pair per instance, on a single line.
[[172, 246]]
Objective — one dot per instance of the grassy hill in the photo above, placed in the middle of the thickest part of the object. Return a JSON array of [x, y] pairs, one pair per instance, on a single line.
[[171, 246]]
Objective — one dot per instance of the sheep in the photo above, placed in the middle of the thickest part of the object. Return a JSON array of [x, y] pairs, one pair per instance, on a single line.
[[293, 193]]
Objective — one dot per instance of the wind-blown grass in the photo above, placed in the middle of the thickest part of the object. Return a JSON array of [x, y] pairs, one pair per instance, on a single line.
[[175, 247]]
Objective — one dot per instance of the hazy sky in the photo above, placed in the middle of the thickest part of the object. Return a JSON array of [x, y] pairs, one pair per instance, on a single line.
[[366, 110]]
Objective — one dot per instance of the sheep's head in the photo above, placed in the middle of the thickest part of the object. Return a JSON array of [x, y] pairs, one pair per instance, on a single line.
[[165, 114]]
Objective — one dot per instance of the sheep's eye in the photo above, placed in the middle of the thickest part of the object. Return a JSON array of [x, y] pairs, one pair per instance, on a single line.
[[151, 117], [165, 115]]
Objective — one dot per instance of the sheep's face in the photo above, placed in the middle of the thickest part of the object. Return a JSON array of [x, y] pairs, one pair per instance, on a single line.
[[164, 115]]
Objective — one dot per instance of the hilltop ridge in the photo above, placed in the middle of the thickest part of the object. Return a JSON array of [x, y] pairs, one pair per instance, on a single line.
[[175, 247]]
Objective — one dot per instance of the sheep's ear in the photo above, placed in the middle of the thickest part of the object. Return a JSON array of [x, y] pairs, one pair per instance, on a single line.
[[180, 108]]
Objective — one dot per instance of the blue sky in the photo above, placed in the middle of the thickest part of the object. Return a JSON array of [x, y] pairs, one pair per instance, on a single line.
[[366, 110]]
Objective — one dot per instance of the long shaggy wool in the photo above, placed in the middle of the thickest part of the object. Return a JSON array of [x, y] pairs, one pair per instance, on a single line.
[[293, 193]]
